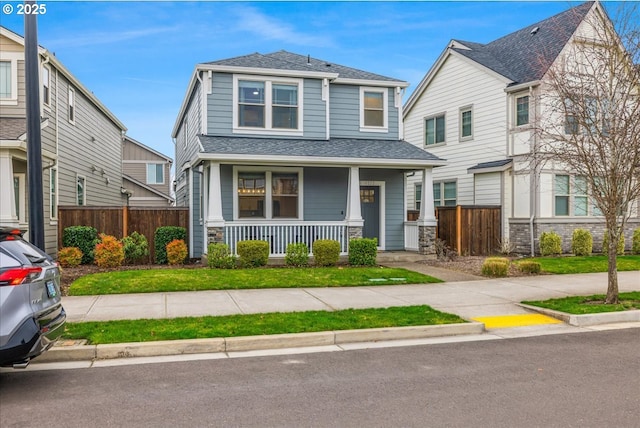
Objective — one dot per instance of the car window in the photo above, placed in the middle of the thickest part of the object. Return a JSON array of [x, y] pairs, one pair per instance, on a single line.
[[6, 261], [24, 252]]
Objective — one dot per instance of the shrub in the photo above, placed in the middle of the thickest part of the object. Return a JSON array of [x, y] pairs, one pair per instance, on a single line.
[[83, 237], [363, 251], [253, 253], [550, 243], [109, 252], [219, 256], [176, 252], [136, 248], [326, 252], [581, 242], [162, 236], [297, 254], [495, 266], [69, 256], [635, 246], [605, 244], [529, 266], [443, 251]]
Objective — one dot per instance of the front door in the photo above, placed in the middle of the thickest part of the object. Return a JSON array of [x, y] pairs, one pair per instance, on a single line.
[[370, 207]]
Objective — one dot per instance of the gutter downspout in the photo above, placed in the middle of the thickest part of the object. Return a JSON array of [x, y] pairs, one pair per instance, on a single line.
[[533, 186]]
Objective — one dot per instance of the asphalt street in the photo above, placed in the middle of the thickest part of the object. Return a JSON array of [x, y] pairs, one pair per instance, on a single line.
[[564, 380]]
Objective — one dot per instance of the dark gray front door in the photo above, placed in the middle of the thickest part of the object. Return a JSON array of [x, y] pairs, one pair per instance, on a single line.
[[370, 206]]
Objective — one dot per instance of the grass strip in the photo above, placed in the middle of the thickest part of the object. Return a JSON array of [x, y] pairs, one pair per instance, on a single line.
[[579, 305], [195, 279], [257, 324], [585, 264]]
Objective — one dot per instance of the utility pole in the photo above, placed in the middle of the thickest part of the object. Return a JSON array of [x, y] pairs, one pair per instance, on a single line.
[[34, 137]]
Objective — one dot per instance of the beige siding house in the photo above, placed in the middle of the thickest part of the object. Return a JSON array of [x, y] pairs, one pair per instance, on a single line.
[[476, 108], [146, 175], [81, 141]]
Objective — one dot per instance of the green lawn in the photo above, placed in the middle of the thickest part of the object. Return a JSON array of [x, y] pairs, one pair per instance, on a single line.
[[258, 324], [586, 264], [163, 280], [590, 304]]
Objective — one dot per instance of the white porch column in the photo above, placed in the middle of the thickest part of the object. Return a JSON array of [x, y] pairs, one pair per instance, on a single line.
[[8, 215], [354, 214], [427, 208], [214, 209]]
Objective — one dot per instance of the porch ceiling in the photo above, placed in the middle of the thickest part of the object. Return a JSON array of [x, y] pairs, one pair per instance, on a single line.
[[342, 151]]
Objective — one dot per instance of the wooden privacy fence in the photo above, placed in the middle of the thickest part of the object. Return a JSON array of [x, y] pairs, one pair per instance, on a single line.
[[121, 221], [471, 230]]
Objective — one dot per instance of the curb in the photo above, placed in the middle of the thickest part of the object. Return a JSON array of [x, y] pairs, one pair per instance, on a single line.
[[252, 343], [587, 320]]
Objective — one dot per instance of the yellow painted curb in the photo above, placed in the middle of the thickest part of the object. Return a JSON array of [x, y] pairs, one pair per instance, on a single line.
[[522, 320]]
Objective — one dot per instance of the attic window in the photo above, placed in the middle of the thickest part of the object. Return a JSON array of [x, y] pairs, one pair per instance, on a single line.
[[534, 30]]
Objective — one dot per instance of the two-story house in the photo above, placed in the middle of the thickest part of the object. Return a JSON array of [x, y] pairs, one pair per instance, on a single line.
[[81, 141], [289, 148], [476, 107], [146, 175]]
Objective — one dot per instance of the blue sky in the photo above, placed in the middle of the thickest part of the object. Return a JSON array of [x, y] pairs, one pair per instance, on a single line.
[[138, 57]]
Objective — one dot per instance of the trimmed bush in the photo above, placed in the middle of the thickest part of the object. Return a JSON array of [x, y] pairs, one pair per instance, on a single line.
[[162, 236], [581, 242], [83, 237], [136, 248], [363, 251], [176, 252], [297, 254], [529, 266], [219, 256], [495, 267], [69, 256], [635, 246], [109, 252], [253, 253], [605, 244], [550, 244], [326, 252]]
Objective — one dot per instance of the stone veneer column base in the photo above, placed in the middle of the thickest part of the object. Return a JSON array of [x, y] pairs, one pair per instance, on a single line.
[[354, 232], [215, 234], [426, 240]]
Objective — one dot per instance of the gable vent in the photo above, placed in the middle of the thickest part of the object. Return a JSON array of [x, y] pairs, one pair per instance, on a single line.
[[534, 30]]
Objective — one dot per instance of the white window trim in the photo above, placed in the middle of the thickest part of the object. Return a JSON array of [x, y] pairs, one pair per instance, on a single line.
[[591, 204], [44, 103], [424, 129], [268, 209], [70, 104], [382, 216], [163, 174], [78, 176], [54, 216], [462, 110], [268, 104], [442, 199], [385, 110], [21, 212], [515, 111], [13, 58], [416, 200]]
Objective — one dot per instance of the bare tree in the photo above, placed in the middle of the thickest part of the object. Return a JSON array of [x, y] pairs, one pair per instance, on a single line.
[[589, 121]]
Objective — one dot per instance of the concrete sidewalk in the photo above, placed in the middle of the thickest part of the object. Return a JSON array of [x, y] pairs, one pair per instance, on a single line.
[[476, 300]]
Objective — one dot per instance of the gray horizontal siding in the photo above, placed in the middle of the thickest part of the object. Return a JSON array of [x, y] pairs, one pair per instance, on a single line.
[[394, 199], [325, 194]]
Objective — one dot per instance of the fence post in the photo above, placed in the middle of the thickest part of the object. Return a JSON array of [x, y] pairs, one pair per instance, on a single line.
[[459, 229], [125, 221]]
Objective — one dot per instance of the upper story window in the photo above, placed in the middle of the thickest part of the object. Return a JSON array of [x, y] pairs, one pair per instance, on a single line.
[[155, 173], [81, 191], [373, 109], [434, 130], [522, 110], [445, 194], [466, 123], [46, 86], [9, 77], [272, 105], [72, 105]]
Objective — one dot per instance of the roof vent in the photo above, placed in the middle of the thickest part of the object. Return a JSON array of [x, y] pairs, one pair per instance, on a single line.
[[308, 59], [535, 30]]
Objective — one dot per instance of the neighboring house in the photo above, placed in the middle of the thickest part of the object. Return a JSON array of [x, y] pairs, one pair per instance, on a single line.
[[476, 107], [145, 175], [289, 148], [81, 141]]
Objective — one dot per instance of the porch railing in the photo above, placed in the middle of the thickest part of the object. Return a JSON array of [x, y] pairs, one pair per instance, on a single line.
[[280, 235], [411, 236]]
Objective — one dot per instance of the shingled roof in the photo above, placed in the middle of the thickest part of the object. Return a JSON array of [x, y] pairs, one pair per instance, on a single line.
[[525, 55], [283, 60]]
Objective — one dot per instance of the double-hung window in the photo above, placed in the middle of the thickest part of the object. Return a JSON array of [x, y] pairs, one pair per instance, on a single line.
[[466, 123], [46, 86], [269, 194], [271, 105], [72, 105], [373, 109], [418, 196], [9, 77], [434, 130], [81, 191], [522, 110], [155, 173], [445, 194], [571, 196]]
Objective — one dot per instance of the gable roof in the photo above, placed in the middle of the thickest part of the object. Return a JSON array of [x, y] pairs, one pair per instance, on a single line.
[[525, 55], [149, 149], [149, 188]]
